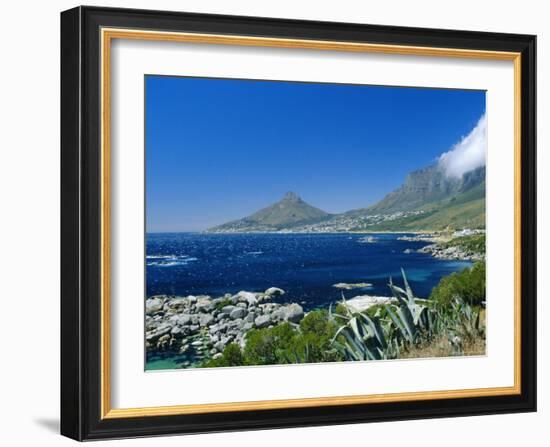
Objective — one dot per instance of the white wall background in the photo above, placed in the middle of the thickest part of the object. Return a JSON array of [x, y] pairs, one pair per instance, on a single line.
[[29, 223]]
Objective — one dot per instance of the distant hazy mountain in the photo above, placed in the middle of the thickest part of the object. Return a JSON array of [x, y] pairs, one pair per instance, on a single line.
[[422, 187], [288, 212]]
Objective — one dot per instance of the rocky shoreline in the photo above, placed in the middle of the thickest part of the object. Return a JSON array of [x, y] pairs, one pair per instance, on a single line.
[[351, 286], [425, 237], [439, 249], [451, 253], [201, 326]]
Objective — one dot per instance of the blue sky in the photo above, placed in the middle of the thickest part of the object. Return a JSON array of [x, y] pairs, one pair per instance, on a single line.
[[219, 149]]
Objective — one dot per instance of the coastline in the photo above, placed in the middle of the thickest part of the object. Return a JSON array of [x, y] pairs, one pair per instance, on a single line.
[[195, 329], [435, 241], [436, 233], [200, 327], [294, 232]]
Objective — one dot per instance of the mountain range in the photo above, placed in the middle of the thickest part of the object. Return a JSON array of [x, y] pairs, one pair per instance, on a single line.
[[428, 200]]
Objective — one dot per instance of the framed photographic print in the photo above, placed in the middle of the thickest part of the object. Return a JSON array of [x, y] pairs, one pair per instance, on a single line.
[[276, 223]]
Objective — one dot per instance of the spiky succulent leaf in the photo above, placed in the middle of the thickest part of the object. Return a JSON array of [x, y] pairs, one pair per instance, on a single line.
[[408, 289]]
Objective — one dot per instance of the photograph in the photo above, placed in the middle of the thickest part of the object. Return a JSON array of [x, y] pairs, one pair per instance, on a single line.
[[296, 222]]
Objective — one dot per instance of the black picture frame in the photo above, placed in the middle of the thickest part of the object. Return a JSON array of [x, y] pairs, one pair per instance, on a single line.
[[81, 391]]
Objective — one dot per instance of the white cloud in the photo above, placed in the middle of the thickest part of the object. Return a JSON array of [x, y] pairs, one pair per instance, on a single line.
[[468, 153]]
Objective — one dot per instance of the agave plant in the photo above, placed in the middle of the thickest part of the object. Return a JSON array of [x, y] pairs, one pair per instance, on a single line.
[[386, 332], [411, 316], [468, 320], [361, 337]]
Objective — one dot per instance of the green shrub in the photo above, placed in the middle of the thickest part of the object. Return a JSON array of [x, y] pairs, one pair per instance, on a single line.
[[467, 285], [308, 348], [231, 356], [312, 343], [308, 342], [317, 323], [339, 311], [267, 346]]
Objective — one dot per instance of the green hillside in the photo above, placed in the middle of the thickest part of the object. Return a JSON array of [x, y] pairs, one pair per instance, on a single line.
[[429, 185], [465, 210]]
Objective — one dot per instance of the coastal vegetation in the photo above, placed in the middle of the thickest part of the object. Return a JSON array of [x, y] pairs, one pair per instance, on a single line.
[[468, 284], [474, 243], [450, 323], [306, 342]]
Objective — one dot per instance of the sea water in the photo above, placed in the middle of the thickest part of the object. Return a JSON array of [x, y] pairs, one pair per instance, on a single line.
[[305, 266]]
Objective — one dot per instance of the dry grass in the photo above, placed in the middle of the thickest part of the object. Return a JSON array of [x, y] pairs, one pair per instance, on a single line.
[[440, 347]]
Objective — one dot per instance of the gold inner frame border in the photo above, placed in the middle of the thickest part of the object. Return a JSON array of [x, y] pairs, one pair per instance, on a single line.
[[107, 36]]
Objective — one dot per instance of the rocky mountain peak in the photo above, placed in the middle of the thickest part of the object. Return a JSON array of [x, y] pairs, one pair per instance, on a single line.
[[290, 211], [426, 185], [291, 197]]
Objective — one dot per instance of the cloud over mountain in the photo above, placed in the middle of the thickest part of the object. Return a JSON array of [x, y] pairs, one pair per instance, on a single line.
[[468, 153]]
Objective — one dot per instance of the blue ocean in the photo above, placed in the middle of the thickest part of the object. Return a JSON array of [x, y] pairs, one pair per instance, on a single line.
[[306, 266]]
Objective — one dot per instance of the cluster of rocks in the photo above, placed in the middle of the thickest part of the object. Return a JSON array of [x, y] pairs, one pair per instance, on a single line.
[[204, 326], [366, 240], [351, 286], [422, 237], [364, 302], [453, 253]]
